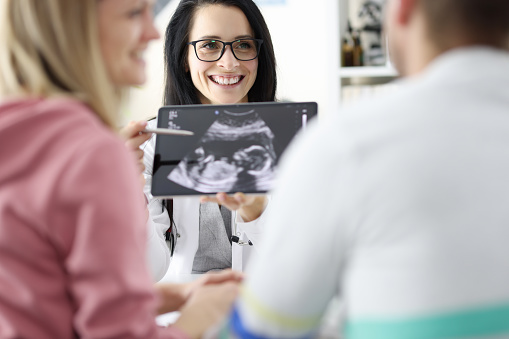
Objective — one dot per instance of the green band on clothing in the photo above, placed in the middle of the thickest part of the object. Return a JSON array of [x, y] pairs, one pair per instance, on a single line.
[[479, 322], [277, 318], [224, 333]]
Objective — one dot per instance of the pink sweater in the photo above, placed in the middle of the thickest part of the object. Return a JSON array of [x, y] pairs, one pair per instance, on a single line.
[[72, 228]]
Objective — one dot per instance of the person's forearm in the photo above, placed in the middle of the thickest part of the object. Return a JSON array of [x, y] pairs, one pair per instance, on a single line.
[[173, 296], [208, 306]]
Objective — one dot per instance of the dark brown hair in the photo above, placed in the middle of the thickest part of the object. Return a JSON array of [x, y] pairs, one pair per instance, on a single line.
[[179, 88]]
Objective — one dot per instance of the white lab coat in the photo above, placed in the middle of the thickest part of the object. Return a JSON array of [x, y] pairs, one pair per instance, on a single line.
[[186, 218]]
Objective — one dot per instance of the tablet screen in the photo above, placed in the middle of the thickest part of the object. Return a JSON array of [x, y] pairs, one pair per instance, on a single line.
[[234, 148]]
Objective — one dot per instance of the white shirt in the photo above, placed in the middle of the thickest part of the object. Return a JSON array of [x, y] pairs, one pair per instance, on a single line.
[[186, 217], [400, 206]]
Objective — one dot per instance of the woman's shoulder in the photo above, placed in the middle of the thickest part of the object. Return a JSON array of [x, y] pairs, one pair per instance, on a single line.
[[77, 121], [57, 137], [54, 113], [71, 114], [62, 123]]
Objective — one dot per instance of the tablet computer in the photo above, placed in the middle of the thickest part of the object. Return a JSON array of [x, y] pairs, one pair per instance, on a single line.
[[232, 148]]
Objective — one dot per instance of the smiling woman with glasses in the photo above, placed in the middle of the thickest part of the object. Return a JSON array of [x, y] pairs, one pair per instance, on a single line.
[[216, 52]]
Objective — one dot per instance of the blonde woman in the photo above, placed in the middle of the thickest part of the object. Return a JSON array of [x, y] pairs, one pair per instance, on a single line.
[[72, 224]]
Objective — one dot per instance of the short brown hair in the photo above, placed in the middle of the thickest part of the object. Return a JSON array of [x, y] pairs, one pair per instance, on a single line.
[[483, 22]]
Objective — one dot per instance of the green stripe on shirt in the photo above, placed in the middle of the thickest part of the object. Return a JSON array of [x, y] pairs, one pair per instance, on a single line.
[[481, 322]]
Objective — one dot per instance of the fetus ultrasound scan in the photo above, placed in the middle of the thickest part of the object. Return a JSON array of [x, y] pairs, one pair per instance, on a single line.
[[234, 148]]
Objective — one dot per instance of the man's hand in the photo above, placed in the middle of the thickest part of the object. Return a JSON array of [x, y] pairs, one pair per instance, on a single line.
[[174, 296], [207, 306], [214, 278]]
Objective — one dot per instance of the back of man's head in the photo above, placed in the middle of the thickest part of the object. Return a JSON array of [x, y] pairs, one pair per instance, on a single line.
[[420, 30], [453, 23]]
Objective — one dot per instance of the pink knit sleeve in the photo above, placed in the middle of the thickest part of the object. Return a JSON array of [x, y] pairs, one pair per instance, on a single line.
[[105, 252]]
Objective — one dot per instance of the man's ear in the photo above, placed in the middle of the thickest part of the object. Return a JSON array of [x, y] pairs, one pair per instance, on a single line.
[[405, 10]]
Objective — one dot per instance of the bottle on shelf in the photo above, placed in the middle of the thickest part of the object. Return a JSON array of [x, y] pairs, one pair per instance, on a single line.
[[358, 52], [346, 53]]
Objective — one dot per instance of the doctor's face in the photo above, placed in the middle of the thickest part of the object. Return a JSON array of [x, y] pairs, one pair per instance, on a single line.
[[227, 80]]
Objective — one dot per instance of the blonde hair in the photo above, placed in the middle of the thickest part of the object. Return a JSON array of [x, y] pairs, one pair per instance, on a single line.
[[51, 48]]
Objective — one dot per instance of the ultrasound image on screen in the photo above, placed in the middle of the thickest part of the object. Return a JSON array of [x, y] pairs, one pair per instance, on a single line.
[[235, 148], [235, 154]]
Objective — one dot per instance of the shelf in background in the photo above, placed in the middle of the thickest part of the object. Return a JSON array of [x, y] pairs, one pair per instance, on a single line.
[[367, 72]]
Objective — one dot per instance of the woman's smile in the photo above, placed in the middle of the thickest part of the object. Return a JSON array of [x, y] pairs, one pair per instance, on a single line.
[[226, 80]]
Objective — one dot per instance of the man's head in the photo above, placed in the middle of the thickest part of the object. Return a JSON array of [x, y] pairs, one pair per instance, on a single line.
[[420, 30]]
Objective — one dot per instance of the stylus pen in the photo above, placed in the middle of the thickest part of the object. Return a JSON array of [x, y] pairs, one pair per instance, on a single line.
[[167, 131]]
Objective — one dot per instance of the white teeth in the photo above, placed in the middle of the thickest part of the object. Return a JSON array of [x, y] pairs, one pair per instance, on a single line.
[[225, 81], [234, 80]]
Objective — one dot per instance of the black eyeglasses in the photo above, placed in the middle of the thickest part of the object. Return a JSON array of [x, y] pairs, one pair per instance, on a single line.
[[212, 50]]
